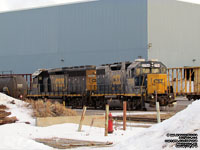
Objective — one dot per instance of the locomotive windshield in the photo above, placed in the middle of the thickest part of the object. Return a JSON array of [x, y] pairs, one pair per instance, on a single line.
[[152, 68], [146, 68]]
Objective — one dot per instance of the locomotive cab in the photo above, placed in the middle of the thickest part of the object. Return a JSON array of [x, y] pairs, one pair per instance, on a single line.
[[38, 85], [149, 78]]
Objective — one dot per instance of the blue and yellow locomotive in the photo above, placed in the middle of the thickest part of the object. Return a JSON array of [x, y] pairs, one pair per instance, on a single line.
[[137, 82]]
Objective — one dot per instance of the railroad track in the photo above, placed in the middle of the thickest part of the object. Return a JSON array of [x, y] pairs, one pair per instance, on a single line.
[[144, 118]]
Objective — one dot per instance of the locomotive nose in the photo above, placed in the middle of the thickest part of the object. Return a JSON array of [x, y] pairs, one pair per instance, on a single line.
[[157, 82]]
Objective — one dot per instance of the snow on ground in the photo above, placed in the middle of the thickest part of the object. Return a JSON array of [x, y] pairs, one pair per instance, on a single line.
[[23, 113], [21, 136], [186, 121]]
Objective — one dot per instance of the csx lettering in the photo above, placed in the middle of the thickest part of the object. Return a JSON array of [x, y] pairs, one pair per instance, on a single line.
[[158, 81], [92, 80]]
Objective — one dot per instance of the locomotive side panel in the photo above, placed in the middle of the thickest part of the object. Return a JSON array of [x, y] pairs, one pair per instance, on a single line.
[[35, 87], [57, 83], [111, 78], [100, 80], [77, 82], [134, 80]]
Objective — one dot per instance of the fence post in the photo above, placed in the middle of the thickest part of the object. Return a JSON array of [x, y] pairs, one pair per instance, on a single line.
[[82, 118], [157, 108], [106, 120], [158, 112], [124, 115]]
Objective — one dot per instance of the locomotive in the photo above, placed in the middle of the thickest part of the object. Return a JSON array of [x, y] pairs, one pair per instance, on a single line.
[[137, 82]]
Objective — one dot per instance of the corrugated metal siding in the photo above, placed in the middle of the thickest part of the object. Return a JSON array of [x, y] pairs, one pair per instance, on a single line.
[[98, 32], [174, 31]]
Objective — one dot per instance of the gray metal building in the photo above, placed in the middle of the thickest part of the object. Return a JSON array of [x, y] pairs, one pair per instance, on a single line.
[[97, 32]]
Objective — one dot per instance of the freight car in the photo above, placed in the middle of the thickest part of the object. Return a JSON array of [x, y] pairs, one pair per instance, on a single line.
[[13, 85], [136, 82]]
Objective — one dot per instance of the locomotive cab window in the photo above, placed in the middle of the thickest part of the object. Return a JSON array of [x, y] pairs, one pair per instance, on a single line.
[[163, 70], [140, 81], [137, 71], [145, 70], [126, 66], [132, 72], [115, 67], [155, 70]]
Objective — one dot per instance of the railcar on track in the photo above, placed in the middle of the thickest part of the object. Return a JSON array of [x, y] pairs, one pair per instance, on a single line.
[[13, 85], [137, 82]]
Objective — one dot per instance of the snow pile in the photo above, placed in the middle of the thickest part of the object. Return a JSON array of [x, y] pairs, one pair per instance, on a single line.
[[17, 109], [15, 142], [21, 136], [184, 122]]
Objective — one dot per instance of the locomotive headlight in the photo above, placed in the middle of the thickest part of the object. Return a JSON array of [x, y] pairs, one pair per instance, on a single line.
[[170, 96], [152, 96]]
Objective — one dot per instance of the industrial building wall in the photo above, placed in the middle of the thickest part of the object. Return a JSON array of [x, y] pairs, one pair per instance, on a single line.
[[103, 31], [174, 32]]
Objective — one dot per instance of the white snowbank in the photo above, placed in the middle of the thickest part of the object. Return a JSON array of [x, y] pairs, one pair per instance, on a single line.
[[186, 121], [21, 136], [23, 114], [15, 142]]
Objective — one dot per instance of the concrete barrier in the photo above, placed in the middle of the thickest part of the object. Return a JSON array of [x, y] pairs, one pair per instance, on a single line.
[[96, 120]]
